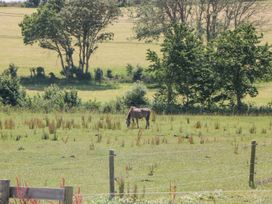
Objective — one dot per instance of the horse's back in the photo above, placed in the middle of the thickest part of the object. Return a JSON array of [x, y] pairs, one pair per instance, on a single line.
[[140, 112]]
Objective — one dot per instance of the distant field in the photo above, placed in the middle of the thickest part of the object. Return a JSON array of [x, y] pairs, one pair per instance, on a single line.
[[215, 158], [115, 54]]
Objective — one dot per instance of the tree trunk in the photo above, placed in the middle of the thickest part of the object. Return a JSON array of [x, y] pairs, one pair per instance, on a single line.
[[61, 58], [239, 102]]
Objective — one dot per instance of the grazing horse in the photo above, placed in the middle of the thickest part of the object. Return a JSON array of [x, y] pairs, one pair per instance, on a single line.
[[138, 113]]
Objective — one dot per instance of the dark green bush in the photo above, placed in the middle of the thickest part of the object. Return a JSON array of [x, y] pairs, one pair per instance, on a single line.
[[109, 74], [138, 74], [11, 71], [115, 106], [135, 73], [11, 92], [71, 99], [129, 69], [57, 99], [98, 75], [136, 96], [92, 106]]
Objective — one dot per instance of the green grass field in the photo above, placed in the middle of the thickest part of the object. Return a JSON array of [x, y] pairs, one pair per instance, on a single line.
[[215, 158], [205, 157]]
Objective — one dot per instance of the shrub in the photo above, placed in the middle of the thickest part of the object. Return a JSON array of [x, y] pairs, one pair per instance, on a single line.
[[40, 73], [137, 73], [136, 96], [75, 73], [71, 99], [108, 107], [109, 74], [92, 105], [54, 98], [115, 106], [98, 75], [11, 71], [54, 95], [11, 92], [129, 69], [37, 72]]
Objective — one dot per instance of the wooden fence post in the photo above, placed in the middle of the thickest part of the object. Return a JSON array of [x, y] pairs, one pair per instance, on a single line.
[[111, 174], [4, 191], [68, 195], [252, 164]]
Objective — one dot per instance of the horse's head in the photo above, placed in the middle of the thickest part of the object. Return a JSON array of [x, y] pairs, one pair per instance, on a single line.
[[128, 122]]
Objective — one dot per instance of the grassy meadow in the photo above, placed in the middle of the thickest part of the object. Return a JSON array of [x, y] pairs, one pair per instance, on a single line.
[[192, 153]]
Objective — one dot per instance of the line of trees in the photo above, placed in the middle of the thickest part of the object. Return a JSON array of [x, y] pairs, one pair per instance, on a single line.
[[208, 17], [219, 73]]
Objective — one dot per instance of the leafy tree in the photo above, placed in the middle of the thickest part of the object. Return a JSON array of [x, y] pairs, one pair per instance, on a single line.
[[45, 27], [63, 26], [183, 69], [240, 61], [86, 21], [32, 3], [11, 91]]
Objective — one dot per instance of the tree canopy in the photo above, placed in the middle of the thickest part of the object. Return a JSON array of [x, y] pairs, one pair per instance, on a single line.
[[223, 71], [66, 26], [240, 61]]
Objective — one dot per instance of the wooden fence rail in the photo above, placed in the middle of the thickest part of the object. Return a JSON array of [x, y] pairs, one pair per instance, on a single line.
[[65, 195]]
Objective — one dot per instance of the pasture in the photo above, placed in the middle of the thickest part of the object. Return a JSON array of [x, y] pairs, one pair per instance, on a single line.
[[190, 153]]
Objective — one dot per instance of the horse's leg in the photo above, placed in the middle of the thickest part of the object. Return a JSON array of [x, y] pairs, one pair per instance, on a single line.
[[137, 121], [147, 120], [147, 123]]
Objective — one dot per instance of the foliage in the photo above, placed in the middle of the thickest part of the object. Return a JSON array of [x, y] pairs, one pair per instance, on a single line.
[[37, 72], [11, 91], [98, 75], [221, 73], [208, 17], [45, 27], [109, 74], [71, 99], [240, 61], [54, 99], [11, 71], [63, 26], [32, 3], [85, 21], [136, 96], [183, 69], [135, 73]]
